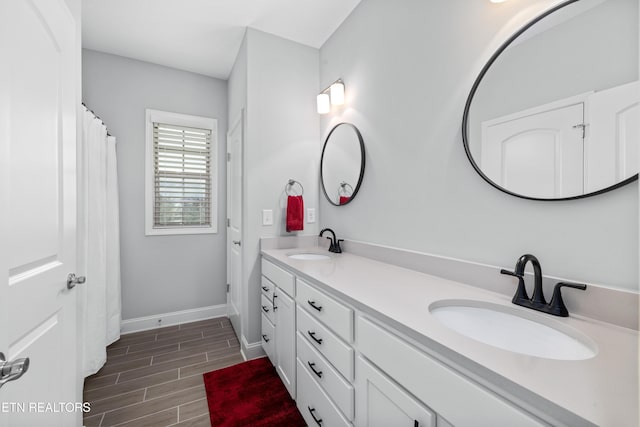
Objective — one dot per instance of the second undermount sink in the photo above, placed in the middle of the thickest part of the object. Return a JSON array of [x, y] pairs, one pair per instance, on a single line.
[[514, 330], [309, 256]]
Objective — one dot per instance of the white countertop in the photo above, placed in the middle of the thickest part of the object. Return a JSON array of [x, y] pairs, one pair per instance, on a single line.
[[602, 390]]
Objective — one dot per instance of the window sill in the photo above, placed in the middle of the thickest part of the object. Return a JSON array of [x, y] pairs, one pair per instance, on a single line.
[[179, 231]]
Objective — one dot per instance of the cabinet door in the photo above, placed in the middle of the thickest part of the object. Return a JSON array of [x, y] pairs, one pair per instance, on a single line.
[[380, 402], [285, 319]]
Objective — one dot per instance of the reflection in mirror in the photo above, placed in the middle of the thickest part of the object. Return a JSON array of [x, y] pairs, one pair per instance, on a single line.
[[342, 164], [555, 114]]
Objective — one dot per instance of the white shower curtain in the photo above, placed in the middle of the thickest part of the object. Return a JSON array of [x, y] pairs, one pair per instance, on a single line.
[[99, 242]]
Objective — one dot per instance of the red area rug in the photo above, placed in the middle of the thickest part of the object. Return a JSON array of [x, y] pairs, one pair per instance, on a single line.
[[250, 394]]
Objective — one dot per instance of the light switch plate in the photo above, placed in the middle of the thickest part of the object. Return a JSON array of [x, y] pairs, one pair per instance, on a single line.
[[267, 217], [311, 215]]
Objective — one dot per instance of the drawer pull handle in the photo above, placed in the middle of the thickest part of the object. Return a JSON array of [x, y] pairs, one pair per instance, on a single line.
[[313, 304], [416, 423], [265, 338], [311, 411], [265, 308], [311, 366], [265, 288], [313, 337], [275, 307]]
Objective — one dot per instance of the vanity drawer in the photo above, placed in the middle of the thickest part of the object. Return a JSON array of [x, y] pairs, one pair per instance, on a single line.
[[335, 315], [435, 384], [266, 306], [313, 403], [326, 342], [268, 338], [338, 389], [267, 288], [280, 277]]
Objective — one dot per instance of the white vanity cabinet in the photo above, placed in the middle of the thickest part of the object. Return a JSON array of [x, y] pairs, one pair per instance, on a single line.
[[344, 367], [371, 347], [279, 322]]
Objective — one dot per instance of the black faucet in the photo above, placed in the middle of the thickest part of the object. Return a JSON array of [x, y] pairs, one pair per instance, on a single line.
[[335, 244], [537, 301]]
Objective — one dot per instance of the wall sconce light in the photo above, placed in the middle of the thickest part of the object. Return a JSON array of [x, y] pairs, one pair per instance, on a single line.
[[324, 105], [332, 95]]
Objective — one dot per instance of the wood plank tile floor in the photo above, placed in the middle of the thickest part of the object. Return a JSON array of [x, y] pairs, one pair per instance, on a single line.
[[154, 378]]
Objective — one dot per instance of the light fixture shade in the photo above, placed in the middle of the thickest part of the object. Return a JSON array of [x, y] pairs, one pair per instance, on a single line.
[[337, 93], [323, 103]]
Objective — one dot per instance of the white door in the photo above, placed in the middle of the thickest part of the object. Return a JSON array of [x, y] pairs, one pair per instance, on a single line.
[[380, 402], [38, 211], [539, 154], [614, 128], [234, 224], [285, 320]]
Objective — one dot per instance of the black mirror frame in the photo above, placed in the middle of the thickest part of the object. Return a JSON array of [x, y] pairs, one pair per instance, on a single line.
[[362, 164], [467, 107]]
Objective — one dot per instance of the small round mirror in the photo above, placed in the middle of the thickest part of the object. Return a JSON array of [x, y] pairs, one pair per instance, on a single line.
[[342, 164]]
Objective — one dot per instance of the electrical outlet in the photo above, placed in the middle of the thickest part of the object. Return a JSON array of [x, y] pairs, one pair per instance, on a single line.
[[311, 215], [267, 217]]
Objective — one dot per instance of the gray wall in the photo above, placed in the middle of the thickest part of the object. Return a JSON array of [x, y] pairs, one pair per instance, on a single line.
[[160, 274], [281, 142], [408, 66]]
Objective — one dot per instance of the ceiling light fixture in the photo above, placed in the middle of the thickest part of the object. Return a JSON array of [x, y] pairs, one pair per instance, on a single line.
[[331, 95]]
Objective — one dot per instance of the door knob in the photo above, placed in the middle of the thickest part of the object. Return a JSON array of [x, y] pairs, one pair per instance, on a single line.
[[73, 280], [237, 242], [11, 371]]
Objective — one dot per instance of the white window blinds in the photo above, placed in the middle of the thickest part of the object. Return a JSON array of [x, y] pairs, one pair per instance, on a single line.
[[182, 176]]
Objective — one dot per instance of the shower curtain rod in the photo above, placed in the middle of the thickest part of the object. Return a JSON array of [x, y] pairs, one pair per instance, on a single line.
[[96, 116]]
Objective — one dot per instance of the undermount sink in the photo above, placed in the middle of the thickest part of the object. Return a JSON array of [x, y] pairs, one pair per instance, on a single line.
[[309, 256], [513, 330]]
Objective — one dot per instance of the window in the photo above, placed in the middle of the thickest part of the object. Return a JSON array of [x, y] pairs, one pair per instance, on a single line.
[[181, 189]]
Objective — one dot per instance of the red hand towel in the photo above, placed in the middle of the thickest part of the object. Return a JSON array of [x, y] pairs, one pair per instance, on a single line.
[[295, 213], [344, 199]]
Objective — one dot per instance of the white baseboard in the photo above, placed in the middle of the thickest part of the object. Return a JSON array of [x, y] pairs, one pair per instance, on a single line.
[[168, 319], [251, 351]]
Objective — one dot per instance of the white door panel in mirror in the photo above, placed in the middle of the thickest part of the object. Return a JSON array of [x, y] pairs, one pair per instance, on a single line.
[[538, 154], [615, 124], [342, 164], [566, 53]]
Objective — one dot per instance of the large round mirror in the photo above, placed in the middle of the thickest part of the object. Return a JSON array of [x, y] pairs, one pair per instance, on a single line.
[[342, 164], [554, 114]]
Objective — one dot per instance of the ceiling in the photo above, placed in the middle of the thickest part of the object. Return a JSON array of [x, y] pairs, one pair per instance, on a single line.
[[203, 36]]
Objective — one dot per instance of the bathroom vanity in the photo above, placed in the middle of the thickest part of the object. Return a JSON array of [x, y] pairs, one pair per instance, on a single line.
[[356, 343]]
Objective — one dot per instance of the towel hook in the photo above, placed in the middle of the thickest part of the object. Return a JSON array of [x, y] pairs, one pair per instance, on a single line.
[[344, 191], [289, 186]]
